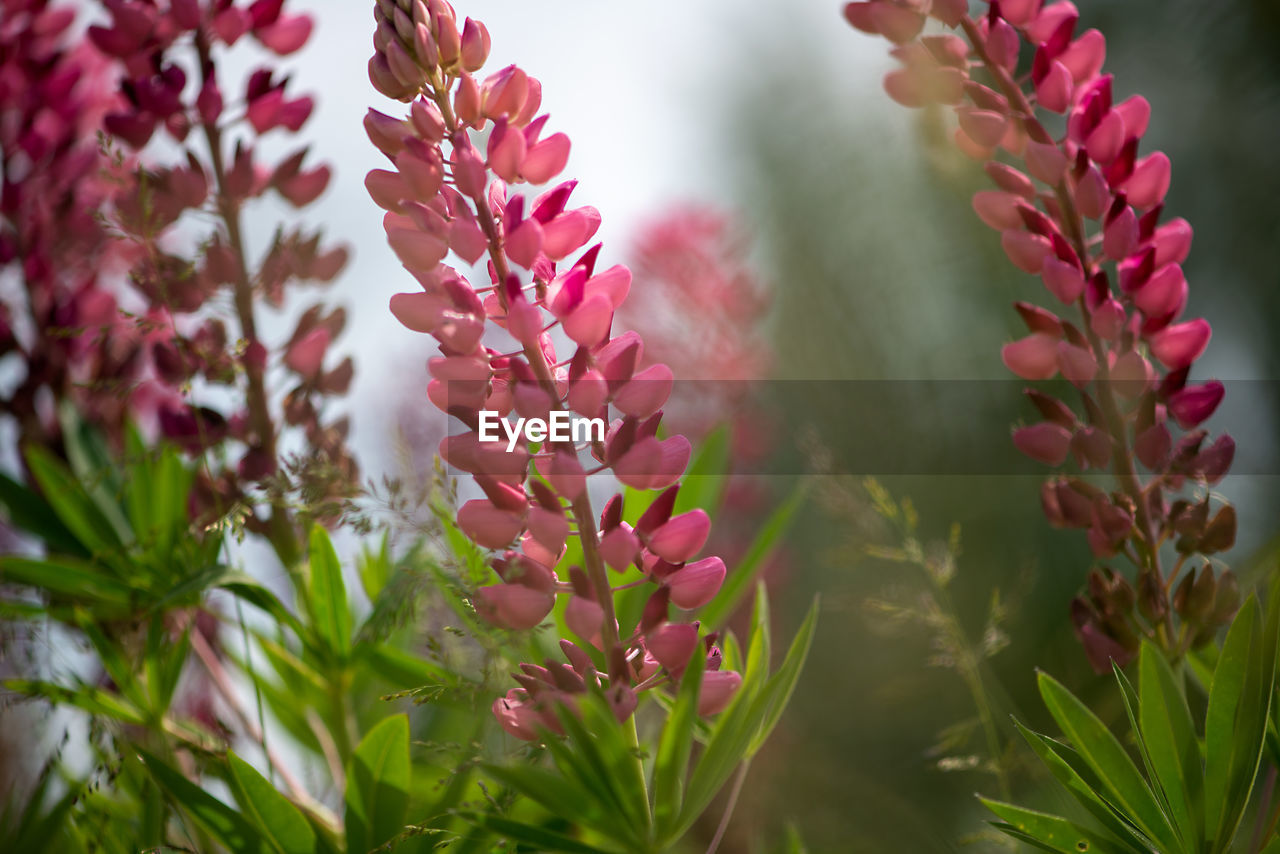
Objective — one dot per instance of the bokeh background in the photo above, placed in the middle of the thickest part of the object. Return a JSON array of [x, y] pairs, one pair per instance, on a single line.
[[860, 222]]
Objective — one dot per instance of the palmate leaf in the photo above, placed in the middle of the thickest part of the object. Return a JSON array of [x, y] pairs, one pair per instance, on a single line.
[[378, 783], [597, 739]]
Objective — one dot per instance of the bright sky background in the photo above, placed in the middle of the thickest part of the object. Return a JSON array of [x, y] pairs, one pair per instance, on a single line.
[[643, 90]]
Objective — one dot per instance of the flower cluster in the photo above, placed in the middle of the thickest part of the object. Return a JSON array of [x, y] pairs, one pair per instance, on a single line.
[[63, 324], [699, 305], [1081, 209], [446, 193], [169, 83]]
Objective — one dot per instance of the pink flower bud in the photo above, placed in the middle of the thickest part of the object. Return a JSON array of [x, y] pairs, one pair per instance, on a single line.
[[681, 537], [1194, 404], [1172, 242], [1077, 364], [1149, 183], [1120, 234], [1046, 162], [1092, 194], [589, 323], [585, 618], [696, 584], [506, 151], [985, 127], [1085, 56], [569, 232], [1152, 446], [306, 355], [1032, 358], [524, 244], [514, 606], [1045, 442], [1107, 320], [417, 250], [1027, 251], [673, 644], [515, 715], [386, 133], [717, 691], [619, 547], [474, 45], [488, 526], [287, 35], [1064, 280], [549, 528], [387, 189], [546, 159], [1179, 345], [997, 209], [1165, 294], [646, 392], [1106, 140], [1053, 92]]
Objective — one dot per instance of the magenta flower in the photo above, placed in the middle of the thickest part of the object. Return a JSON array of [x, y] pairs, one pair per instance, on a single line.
[[445, 194], [1082, 210]]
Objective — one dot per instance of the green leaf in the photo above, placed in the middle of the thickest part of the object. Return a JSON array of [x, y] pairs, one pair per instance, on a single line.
[[245, 588], [75, 508], [1235, 723], [740, 577], [1051, 832], [674, 747], [31, 513], [329, 594], [221, 821], [67, 577], [378, 779], [562, 797], [540, 838], [1107, 759], [782, 684], [1062, 763], [598, 737], [1170, 738], [281, 824], [89, 698]]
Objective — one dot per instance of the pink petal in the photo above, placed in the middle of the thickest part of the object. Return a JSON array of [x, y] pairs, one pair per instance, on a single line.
[[681, 537], [696, 584], [546, 160], [1032, 358], [1179, 345], [1045, 442], [717, 690], [514, 606]]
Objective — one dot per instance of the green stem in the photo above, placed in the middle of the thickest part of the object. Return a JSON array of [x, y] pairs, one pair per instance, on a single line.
[[280, 529]]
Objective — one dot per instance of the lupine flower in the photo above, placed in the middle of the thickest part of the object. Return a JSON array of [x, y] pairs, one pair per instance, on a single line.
[[166, 55], [1082, 210], [64, 325], [445, 193], [699, 307]]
